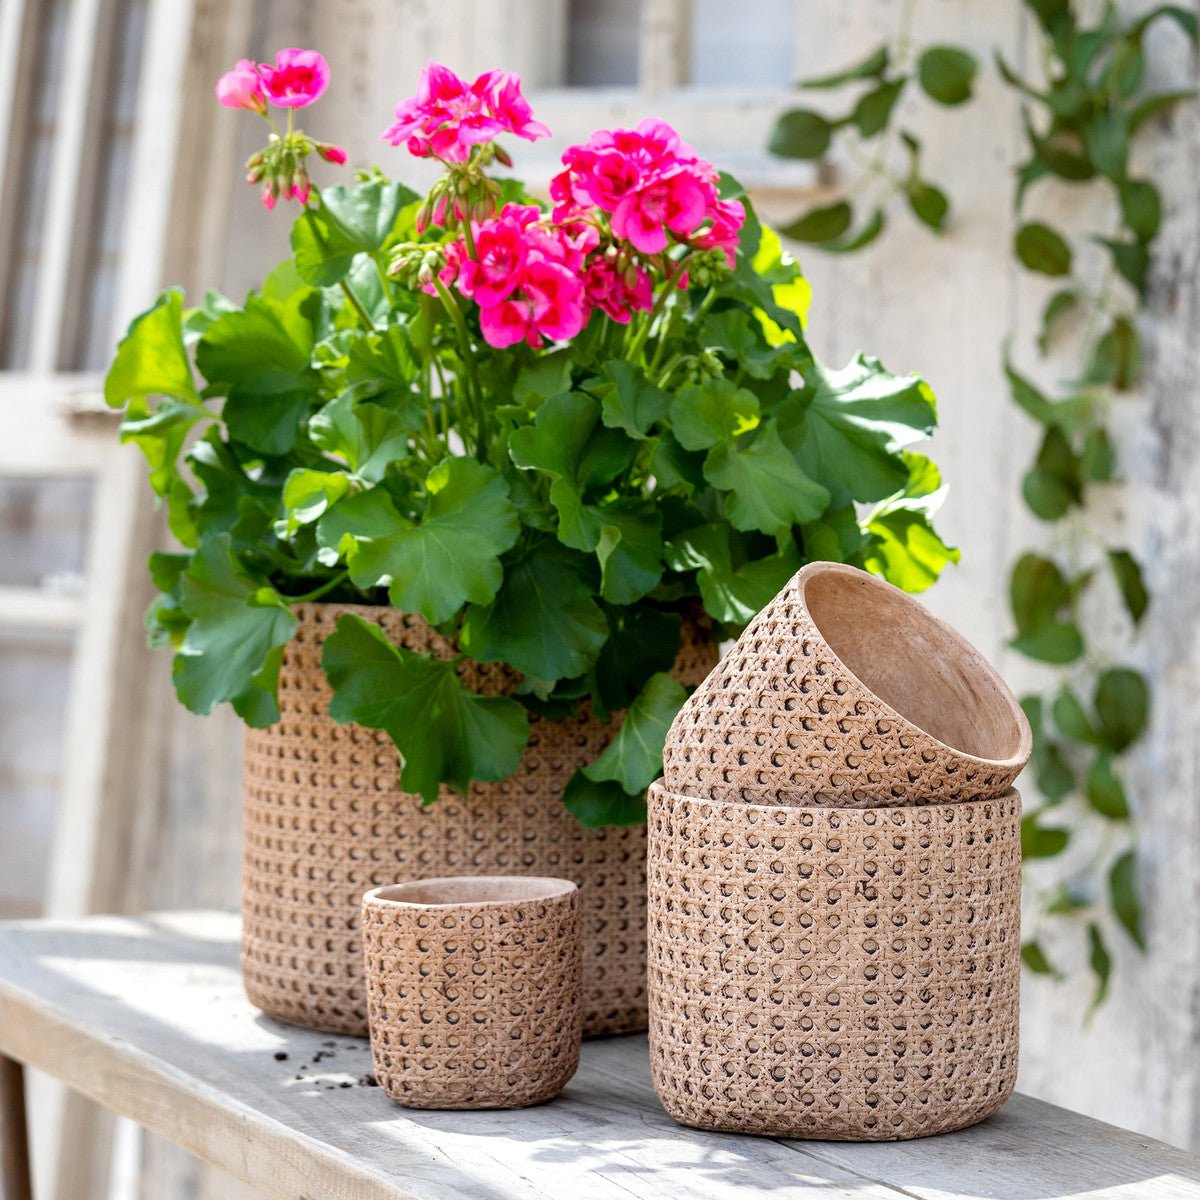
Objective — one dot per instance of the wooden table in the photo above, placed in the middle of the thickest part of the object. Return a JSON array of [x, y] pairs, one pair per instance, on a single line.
[[146, 1015]]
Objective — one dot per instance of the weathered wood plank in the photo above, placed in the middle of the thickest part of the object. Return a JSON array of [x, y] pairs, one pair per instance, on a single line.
[[147, 1016]]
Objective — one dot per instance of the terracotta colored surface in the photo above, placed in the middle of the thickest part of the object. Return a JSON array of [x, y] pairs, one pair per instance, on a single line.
[[474, 989], [846, 691], [843, 974]]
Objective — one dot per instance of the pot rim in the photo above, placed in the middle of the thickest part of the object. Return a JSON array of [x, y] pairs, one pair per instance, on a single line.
[[1020, 756], [537, 888], [659, 788]]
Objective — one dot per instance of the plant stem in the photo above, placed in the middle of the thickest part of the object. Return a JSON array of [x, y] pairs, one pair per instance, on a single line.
[[643, 334], [317, 593], [357, 305], [470, 382]]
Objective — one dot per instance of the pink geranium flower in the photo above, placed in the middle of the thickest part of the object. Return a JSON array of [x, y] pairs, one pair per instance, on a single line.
[[653, 185], [298, 78], [525, 276], [617, 294], [243, 87], [449, 117]]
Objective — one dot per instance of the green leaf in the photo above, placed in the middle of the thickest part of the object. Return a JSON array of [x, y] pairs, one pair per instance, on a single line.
[[544, 620], [1131, 259], [742, 342], [152, 362], [1055, 483], [731, 595], [1183, 17], [641, 641], [1122, 706], [542, 378], [347, 222], [633, 758], [1128, 575], [1035, 959], [864, 237], [1037, 592], [266, 342], [1104, 790], [906, 550], [1037, 841], [704, 414], [1101, 965], [1055, 778], [1106, 141], [928, 203], [446, 734], [1123, 895], [1126, 68], [259, 357], [1059, 642], [448, 558], [367, 436], [1071, 719], [1153, 106], [870, 67], [946, 74], [800, 133], [1060, 305], [1043, 250], [307, 494], [568, 443], [1099, 457], [234, 645], [151, 359], [1118, 357], [847, 428], [872, 112], [595, 804], [1141, 206], [632, 403], [822, 224], [629, 547], [1038, 595], [768, 490]]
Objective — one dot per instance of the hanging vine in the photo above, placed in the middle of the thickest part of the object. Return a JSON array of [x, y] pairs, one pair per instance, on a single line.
[[1080, 117]]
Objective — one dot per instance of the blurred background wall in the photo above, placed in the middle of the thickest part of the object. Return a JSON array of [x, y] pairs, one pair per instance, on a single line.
[[82, 166]]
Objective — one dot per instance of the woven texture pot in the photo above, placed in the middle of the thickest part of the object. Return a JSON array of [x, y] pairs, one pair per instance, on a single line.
[[846, 691], [474, 990], [324, 821], [845, 974]]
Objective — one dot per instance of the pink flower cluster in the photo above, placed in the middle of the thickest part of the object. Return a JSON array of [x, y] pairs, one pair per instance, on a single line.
[[651, 182], [448, 117], [535, 281], [297, 79]]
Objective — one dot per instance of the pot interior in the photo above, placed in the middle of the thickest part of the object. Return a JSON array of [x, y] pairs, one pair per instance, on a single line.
[[916, 664], [462, 890]]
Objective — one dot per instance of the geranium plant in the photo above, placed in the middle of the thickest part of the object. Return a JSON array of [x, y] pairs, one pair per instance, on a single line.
[[552, 429]]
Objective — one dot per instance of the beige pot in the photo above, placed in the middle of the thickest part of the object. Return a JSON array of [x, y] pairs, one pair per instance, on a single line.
[[474, 989], [324, 822], [846, 691], [834, 973]]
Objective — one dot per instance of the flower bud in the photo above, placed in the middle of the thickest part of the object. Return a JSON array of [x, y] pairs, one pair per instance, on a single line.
[[331, 154]]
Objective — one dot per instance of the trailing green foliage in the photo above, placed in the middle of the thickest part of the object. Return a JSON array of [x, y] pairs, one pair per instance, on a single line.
[[559, 511], [890, 155], [1081, 118]]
